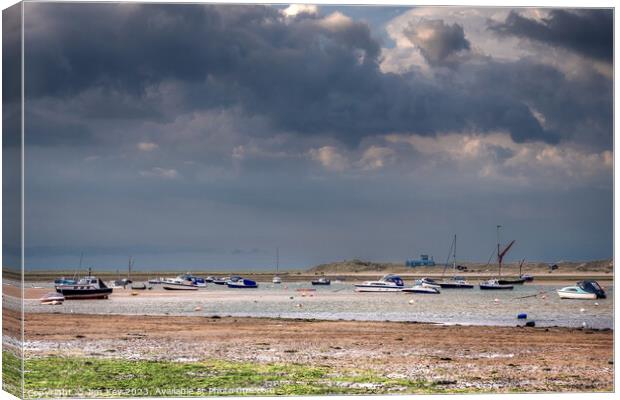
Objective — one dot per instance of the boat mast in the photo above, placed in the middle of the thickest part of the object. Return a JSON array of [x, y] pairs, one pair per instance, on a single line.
[[499, 258], [454, 257], [277, 260], [129, 269]]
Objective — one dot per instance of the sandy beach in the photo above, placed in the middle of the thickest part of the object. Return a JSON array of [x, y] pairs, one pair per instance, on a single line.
[[453, 357]]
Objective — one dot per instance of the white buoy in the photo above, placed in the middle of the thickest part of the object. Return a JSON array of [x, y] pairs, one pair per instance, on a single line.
[[582, 310], [496, 300], [596, 304], [584, 325], [411, 301]]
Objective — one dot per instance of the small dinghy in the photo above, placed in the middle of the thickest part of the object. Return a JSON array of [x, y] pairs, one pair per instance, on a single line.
[[237, 282], [138, 286], [52, 298], [421, 289], [584, 290]]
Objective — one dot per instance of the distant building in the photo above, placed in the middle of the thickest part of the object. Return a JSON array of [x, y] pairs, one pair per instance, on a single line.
[[424, 261]]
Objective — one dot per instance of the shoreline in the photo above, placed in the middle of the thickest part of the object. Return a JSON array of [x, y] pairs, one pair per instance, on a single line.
[[449, 358]]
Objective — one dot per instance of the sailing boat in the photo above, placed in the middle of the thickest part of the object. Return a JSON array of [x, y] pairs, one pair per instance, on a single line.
[[515, 281], [276, 279], [495, 284], [456, 282]]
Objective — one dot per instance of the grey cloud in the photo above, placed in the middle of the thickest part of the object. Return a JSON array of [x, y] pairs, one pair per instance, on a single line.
[[304, 76], [440, 43], [587, 32]]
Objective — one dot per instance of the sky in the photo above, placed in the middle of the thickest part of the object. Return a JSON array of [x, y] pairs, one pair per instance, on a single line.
[[207, 136]]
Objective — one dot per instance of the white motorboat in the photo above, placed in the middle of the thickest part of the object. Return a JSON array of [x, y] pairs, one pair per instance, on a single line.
[[179, 283], [427, 282], [584, 290], [422, 289], [276, 279], [389, 283]]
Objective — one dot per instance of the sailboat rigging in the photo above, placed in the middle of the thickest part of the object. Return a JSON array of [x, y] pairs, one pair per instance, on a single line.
[[456, 282]]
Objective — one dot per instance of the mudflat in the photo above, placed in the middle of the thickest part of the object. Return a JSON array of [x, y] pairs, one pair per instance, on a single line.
[[451, 358]]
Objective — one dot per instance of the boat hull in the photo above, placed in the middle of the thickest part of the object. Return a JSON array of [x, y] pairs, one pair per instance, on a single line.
[[234, 286], [85, 294], [577, 296], [516, 281], [179, 287], [421, 290], [496, 287], [454, 285], [377, 289], [317, 283]]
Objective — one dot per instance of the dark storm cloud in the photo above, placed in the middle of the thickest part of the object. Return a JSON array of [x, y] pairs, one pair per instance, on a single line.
[[312, 76], [439, 42], [587, 32]]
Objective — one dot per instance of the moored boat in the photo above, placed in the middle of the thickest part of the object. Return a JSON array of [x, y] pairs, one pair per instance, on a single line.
[[493, 284], [584, 290], [138, 286], [89, 287], [421, 289], [52, 298], [389, 283], [496, 283], [511, 281], [174, 286], [321, 281], [428, 282], [456, 282], [237, 282], [220, 281]]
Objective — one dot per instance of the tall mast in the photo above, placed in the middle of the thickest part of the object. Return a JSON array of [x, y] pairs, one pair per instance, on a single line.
[[454, 256], [129, 269], [499, 258], [277, 259]]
